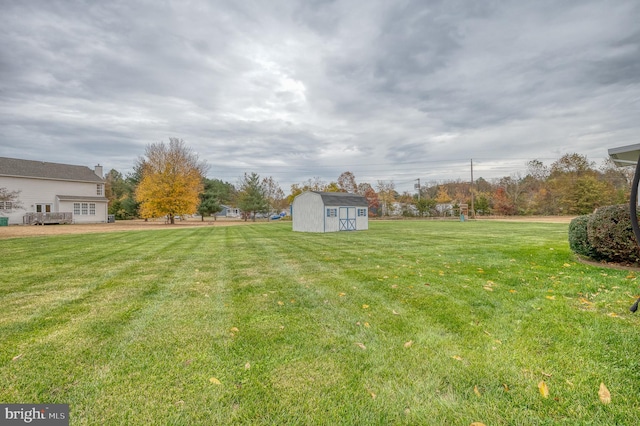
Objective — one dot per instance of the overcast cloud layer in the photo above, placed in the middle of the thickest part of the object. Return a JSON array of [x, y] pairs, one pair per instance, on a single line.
[[385, 89]]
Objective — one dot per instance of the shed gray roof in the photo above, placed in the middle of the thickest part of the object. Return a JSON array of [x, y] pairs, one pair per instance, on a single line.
[[40, 169], [342, 199]]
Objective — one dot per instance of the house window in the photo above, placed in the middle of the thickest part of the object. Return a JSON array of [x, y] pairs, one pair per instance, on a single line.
[[6, 205], [332, 212], [362, 212], [99, 190], [43, 208], [84, 209]]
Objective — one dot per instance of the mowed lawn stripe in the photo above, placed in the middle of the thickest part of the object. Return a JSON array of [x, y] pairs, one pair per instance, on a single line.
[[112, 314], [259, 325], [175, 344]]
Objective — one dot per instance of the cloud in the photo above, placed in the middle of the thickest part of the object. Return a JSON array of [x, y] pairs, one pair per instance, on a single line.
[[387, 90]]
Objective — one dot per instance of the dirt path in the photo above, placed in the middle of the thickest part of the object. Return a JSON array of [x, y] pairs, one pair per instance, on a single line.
[[16, 231]]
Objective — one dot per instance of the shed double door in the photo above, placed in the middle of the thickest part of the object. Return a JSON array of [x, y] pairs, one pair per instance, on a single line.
[[347, 218]]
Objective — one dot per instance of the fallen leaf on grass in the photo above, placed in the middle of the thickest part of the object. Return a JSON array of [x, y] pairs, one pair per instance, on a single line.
[[457, 358], [486, 287], [544, 390], [17, 357], [477, 424], [513, 291], [506, 388], [612, 314], [365, 306], [373, 395], [247, 366], [360, 345], [215, 381], [551, 297], [395, 313], [366, 324], [408, 344], [585, 301], [280, 302], [342, 294], [476, 391], [604, 394], [234, 329]]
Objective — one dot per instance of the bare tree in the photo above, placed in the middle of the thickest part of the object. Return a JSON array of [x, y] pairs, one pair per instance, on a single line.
[[9, 199], [347, 183], [386, 194]]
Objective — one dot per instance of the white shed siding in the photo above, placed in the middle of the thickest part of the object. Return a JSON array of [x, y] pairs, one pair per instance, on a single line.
[[362, 222], [331, 224], [308, 213]]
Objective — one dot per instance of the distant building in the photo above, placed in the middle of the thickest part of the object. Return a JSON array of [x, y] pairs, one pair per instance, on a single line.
[[228, 211], [329, 212], [52, 192]]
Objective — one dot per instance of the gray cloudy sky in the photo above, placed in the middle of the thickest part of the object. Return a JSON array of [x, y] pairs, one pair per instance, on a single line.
[[296, 89]]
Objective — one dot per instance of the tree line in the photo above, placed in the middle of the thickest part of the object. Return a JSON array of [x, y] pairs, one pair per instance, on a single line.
[[170, 181]]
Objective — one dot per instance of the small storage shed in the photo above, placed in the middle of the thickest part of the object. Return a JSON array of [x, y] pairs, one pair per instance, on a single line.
[[315, 211]]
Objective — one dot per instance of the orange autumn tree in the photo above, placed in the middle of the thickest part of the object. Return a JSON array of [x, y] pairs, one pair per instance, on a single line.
[[172, 177]]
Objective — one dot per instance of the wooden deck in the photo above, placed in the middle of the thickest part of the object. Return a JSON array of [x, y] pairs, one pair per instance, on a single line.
[[47, 218]]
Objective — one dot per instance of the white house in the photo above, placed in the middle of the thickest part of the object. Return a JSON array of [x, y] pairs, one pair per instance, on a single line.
[[52, 192], [228, 211], [314, 211]]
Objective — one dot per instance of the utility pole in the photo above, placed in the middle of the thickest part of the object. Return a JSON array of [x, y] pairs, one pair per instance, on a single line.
[[473, 210], [417, 186]]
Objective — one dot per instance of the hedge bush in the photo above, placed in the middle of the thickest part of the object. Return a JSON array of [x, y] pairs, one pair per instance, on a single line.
[[610, 234], [579, 238]]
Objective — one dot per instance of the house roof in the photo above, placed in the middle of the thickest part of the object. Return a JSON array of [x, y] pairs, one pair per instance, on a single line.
[[342, 199], [40, 169], [81, 198]]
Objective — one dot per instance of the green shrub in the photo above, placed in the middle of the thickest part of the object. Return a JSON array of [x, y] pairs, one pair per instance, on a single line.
[[611, 235], [579, 238]]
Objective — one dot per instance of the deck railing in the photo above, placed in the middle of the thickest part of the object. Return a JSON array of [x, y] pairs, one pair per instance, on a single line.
[[47, 218]]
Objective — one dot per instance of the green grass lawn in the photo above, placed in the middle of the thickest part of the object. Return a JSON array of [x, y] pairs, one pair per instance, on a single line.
[[407, 323]]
